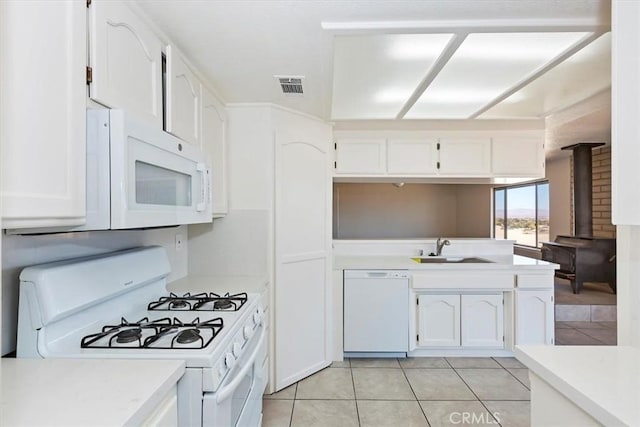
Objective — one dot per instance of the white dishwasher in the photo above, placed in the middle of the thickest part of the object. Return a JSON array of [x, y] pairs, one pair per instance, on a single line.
[[376, 313]]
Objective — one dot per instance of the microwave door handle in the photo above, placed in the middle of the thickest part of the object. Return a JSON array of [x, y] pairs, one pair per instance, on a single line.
[[228, 390], [201, 168]]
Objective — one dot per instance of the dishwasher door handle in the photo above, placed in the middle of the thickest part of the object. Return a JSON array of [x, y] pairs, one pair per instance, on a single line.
[[377, 274]]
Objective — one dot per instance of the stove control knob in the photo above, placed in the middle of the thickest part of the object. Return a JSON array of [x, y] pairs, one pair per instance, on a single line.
[[257, 317], [247, 332], [237, 349], [229, 360]]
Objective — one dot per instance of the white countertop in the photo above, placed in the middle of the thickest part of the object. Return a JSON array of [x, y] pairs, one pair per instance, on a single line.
[[219, 284], [602, 380], [83, 392], [395, 262]]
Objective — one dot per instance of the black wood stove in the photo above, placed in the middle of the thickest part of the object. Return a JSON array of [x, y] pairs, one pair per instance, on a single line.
[[583, 258]]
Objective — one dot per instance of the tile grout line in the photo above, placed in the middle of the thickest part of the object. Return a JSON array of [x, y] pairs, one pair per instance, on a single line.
[[355, 396], [517, 379], [295, 394], [472, 391], [414, 393]]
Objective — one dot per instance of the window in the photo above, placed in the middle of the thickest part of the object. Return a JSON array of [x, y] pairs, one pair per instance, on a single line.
[[521, 213]]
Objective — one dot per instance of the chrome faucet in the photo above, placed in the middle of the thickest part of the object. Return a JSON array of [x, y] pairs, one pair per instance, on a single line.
[[440, 243]]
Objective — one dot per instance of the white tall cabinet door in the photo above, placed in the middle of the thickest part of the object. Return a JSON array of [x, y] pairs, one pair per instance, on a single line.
[[535, 319], [625, 127], [482, 322], [465, 156], [361, 156], [302, 249], [439, 320], [412, 156], [517, 156], [183, 99], [43, 113], [126, 61], [214, 144]]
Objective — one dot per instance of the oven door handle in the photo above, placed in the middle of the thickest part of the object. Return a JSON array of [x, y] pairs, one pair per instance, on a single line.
[[226, 392]]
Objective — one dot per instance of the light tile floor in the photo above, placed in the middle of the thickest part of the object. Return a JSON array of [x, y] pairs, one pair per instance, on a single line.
[[432, 391], [586, 333]]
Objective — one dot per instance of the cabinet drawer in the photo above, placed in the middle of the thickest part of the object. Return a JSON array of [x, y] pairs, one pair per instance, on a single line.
[[457, 280], [535, 281]]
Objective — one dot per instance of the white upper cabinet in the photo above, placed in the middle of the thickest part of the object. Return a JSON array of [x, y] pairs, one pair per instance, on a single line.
[[43, 113], [412, 156], [213, 143], [361, 156], [465, 156], [517, 156], [126, 61], [183, 99]]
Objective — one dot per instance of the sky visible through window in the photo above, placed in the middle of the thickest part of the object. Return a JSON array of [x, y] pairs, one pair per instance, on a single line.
[[527, 216]]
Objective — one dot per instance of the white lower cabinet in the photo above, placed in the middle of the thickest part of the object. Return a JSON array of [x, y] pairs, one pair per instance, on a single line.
[[439, 320], [166, 413], [534, 317], [482, 320], [461, 320]]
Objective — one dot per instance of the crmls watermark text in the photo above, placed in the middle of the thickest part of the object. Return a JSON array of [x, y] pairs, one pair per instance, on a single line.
[[474, 418]]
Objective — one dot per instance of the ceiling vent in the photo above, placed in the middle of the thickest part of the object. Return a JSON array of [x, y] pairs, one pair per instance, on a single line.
[[291, 85]]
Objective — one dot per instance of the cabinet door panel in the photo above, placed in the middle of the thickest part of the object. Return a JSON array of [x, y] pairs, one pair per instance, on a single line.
[[214, 144], [183, 99], [465, 156], [482, 321], [439, 320], [412, 157], [360, 156], [43, 113], [302, 252], [625, 127], [534, 317], [519, 157], [126, 59]]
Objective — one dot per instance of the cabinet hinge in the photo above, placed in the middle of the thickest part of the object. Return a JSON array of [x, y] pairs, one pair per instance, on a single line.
[[438, 165], [89, 75]]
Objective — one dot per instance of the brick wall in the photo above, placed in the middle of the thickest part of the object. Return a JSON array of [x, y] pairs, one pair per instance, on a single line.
[[601, 176], [601, 173]]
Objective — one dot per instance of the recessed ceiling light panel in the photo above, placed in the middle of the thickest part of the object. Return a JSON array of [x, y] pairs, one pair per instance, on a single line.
[[374, 75], [484, 67]]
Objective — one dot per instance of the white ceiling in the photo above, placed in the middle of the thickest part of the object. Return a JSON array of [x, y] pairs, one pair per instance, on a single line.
[[240, 45]]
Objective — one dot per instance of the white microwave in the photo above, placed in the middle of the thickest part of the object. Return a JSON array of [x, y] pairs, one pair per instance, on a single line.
[[139, 176]]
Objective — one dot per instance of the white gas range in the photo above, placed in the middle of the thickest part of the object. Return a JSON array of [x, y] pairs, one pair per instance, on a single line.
[[117, 306]]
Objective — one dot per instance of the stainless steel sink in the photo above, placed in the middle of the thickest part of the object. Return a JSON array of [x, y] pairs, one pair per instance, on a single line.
[[451, 260]]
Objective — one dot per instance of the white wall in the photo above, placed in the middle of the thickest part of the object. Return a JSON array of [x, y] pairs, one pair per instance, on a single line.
[[628, 271], [240, 243], [415, 210], [473, 213], [558, 172], [22, 251]]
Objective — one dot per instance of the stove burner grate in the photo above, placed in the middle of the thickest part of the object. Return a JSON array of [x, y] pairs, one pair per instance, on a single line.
[[129, 335], [200, 302]]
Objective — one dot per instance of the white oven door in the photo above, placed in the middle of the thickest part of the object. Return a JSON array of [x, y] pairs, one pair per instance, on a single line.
[[156, 179], [238, 401]]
